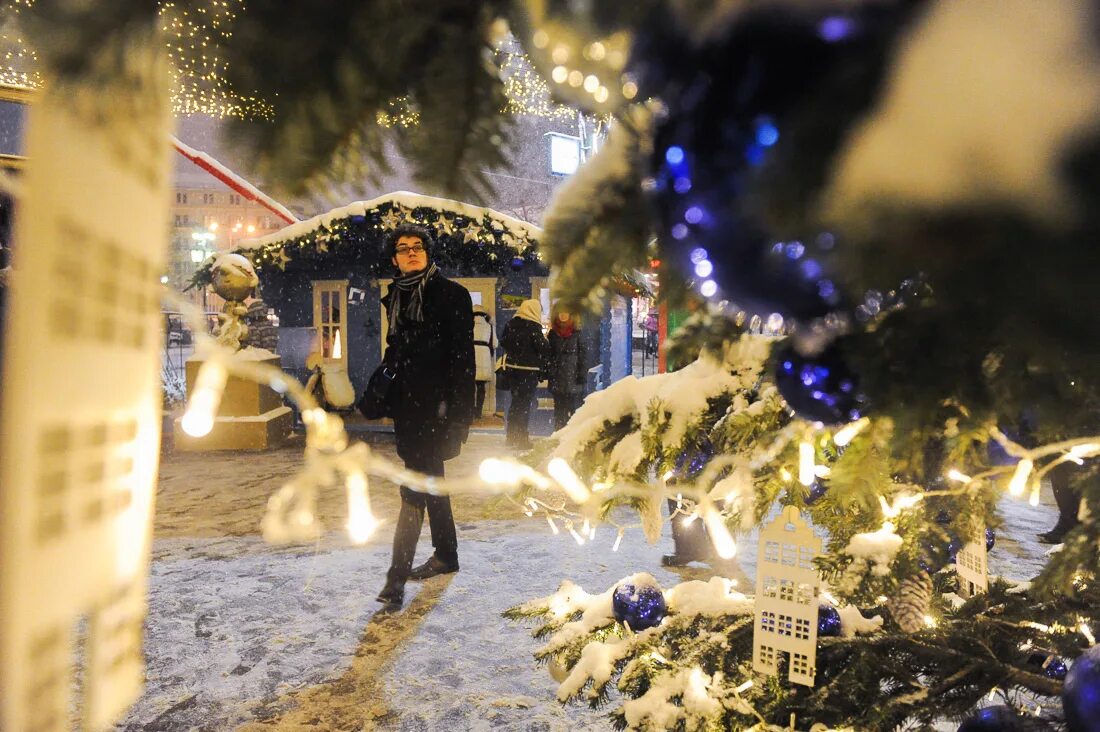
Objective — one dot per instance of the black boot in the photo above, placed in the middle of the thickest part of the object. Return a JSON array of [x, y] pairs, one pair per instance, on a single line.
[[434, 566], [393, 594]]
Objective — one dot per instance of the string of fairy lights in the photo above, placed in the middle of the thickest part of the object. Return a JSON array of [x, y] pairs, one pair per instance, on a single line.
[[19, 59], [195, 36]]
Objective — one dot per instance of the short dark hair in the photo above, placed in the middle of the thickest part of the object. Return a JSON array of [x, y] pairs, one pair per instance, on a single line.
[[409, 230]]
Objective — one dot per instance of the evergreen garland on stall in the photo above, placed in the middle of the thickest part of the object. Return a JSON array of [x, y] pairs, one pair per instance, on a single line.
[[465, 246]]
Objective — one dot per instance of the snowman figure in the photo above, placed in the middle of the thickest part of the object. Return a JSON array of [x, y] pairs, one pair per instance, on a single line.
[[234, 279]]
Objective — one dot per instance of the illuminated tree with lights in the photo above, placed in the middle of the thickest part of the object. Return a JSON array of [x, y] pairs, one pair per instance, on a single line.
[[913, 216]]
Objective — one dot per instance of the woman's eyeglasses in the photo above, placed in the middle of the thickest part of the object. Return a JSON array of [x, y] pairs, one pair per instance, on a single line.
[[414, 249]]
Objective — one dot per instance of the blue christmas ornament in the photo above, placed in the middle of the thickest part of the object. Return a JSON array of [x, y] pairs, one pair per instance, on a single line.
[[1081, 692], [638, 607], [990, 539], [954, 547], [517, 263], [1048, 664], [993, 719], [820, 388], [828, 621], [817, 491]]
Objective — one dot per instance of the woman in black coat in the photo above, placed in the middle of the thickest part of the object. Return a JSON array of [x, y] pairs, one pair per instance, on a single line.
[[568, 367], [527, 354], [430, 346]]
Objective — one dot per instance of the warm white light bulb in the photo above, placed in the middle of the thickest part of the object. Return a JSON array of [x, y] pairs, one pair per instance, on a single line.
[[806, 463], [361, 521], [198, 420], [1019, 477], [958, 476], [847, 433], [561, 472], [720, 536]]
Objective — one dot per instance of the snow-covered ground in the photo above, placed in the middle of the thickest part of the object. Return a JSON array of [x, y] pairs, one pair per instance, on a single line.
[[242, 635]]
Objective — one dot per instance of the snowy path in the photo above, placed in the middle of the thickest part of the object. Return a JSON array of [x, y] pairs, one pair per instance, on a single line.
[[246, 636]]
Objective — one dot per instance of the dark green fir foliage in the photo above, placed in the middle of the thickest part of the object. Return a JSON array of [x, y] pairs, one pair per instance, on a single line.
[[597, 227], [331, 69], [990, 645]]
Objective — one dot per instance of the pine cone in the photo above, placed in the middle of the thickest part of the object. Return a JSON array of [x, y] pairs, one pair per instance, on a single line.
[[910, 605]]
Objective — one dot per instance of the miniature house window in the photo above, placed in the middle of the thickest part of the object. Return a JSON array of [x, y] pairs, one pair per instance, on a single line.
[[786, 590], [329, 313], [801, 628], [790, 552], [806, 594], [766, 656], [767, 622], [771, 551], [770, 587]]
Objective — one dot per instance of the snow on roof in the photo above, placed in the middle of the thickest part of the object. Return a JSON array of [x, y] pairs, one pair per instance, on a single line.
[[402, 198], [234, 181]]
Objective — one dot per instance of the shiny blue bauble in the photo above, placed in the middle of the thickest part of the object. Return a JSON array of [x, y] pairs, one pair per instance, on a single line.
[[990, 539], [1081, 692], [828, 621], [638, 607], [1048, 664], [817, 492], [821, 388], [516, 264], [993, 719]]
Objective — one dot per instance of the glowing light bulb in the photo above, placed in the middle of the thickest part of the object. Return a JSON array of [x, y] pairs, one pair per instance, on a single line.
[[576, 537], [847, 433], [744, 687], [601, 94], [1019, 477], [576, 78], [553, 526], [198, 420], [591, 83], [630, 90], [806, 463], [561, 472], [559, 74], [720, 536], [361, 521], [958, 476], [618, 540]]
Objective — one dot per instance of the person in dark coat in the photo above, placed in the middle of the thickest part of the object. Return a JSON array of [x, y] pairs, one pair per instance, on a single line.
[[568, 367], [431, 346], [527, 354]]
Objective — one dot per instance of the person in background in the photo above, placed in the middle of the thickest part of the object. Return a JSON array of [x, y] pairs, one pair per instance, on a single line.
[[431, 347], [526, 355], [651, 326], [485, 344], [568, 366]]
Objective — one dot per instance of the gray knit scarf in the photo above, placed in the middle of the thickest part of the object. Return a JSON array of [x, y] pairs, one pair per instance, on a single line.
[[407, 296]]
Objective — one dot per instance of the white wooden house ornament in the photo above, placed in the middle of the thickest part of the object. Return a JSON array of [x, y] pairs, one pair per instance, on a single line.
[[80, 425], [971, 567], [787, 588]]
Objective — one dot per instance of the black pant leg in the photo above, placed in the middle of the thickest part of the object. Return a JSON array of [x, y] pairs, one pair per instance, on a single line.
[[691, 541], [479, 397], [561, 410], [519, 411], [441, 520], [407, 533], [1065, 495]]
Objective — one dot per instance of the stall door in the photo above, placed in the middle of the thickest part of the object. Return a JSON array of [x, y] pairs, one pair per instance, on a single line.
[[329, 318]]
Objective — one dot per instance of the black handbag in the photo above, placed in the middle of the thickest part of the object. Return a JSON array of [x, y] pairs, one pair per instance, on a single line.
[[375, 402], [503, 382]]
